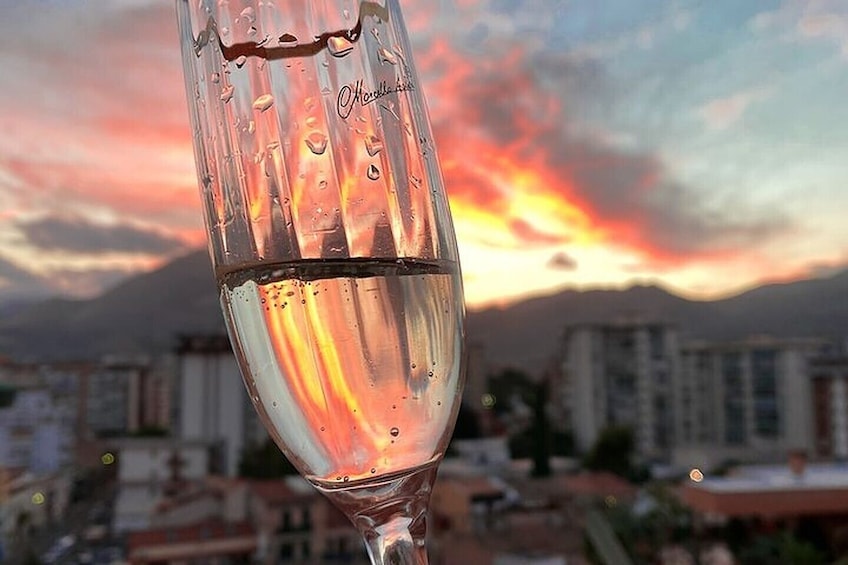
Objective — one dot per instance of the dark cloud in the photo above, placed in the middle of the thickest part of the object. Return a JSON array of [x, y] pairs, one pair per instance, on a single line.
[[77, 235], [562, 261], [529, 235]]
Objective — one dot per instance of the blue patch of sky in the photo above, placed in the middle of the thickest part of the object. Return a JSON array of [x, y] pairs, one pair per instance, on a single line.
[[657, 91]]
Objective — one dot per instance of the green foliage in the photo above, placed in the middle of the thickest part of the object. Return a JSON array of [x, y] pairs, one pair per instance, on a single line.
[[667, 521], [31, 558], [467, 426], [781, 548], [264, 462], [613, 452], [7, 395], [541, 431], [535, 442], [150, 431], [509, 384]]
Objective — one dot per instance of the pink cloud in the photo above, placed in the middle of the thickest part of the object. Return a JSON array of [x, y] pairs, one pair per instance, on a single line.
[[721, 113]]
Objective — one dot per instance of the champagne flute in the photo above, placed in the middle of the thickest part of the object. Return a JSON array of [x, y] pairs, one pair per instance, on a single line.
[[332, 243]]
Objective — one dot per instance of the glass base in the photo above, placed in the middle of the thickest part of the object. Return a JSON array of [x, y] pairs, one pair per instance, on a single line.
[[390, 513]]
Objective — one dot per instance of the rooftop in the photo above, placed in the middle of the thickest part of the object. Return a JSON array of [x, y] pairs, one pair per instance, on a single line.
[[777, 478], [773, 492]]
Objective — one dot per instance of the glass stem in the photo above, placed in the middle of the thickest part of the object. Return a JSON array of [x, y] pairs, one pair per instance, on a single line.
[[398, 541], [391, 514]]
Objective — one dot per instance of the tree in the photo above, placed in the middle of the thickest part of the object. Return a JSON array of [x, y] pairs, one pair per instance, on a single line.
[[541, 431], [509, 387], [265, 461], [467, 426], [613, 452]]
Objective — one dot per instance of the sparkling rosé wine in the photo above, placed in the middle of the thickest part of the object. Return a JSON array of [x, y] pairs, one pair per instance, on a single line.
[[353, 365]]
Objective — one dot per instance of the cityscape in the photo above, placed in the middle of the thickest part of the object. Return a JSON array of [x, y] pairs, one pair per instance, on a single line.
[[648, 199], [635, 443]]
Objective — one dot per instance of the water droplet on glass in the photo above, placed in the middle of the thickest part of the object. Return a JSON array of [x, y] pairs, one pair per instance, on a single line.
[[287, 38], [311, 121], [339, 46], [429, 373], [252, 31], [322, 428], [263, 41], [373, 145], [386, 56], [274, 404], [251, 127], [317, 142], [240, 61], [415, 181], [413, 365], [309, 103], [216, 77], [395, 432], [373, 470], [346, 14], [390, 108], [376, 33], [263, 102], [227, 93], [438, 403], [322, 184], [346, 478], [373, 172], [225, 30], [248, 15]]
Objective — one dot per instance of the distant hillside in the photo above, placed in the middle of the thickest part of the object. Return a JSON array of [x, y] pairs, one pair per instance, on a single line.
[[146, 313], [141, 315]]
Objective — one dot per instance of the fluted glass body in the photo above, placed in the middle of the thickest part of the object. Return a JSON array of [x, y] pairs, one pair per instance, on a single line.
[[330, 235]]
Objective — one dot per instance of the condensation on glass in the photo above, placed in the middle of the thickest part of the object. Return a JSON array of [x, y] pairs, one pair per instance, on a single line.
[[312, 135]]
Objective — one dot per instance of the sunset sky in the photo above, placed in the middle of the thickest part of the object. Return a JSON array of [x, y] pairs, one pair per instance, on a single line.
[[699, 145]]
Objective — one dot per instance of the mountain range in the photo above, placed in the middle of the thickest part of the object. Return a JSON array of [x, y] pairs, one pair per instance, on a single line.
[[145, 314]]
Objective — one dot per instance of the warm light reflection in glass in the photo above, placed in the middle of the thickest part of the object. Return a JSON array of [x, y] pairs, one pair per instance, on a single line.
[[696, 475]]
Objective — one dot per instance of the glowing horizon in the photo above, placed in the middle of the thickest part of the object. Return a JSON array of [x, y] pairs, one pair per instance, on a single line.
[[582, 146]]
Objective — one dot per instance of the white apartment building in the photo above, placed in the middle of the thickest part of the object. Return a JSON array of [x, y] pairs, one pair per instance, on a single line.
[[621, 374], [32, 436], [213, 404], [150, 470], [748, 400]]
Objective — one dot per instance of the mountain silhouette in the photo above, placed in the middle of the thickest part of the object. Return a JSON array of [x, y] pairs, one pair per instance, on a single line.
[[142, 315], [146, 314]]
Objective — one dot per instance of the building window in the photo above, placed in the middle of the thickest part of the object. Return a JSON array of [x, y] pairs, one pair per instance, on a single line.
[[735, 431], [305, 550], [286, 552], [765, 392]]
